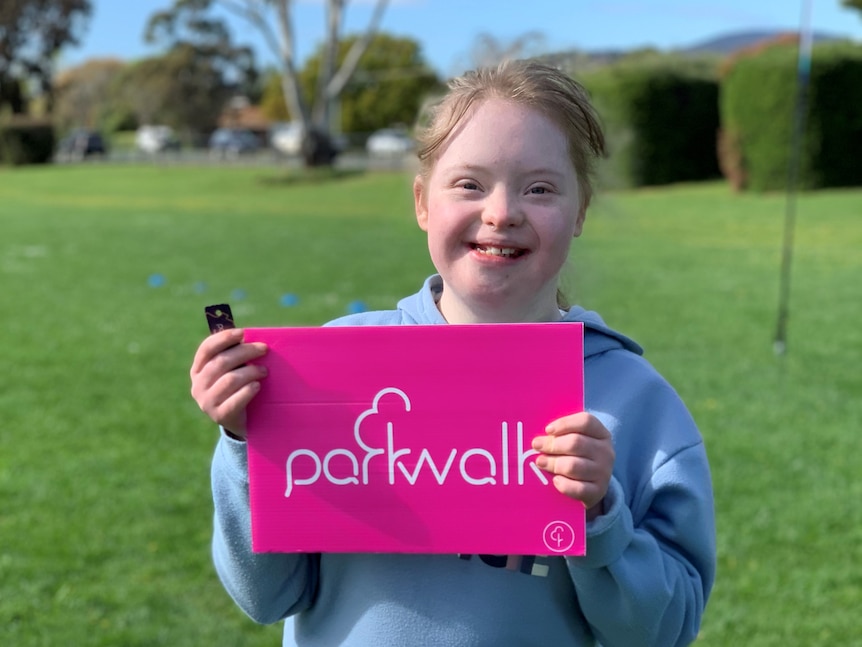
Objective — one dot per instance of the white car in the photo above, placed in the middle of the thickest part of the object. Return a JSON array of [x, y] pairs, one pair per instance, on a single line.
[[155, 139], [389, 141], [286, 138]]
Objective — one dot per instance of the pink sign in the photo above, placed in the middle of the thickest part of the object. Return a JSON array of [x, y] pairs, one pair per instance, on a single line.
[[412, 439]]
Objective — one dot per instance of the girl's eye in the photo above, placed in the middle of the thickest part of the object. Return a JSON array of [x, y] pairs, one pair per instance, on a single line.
[[469, 186], [538, 190]]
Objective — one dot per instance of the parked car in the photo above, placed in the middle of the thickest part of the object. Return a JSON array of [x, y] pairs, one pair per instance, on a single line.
[[156, 139], [80, 144], [231, 142], [389, 141], [286, 138]]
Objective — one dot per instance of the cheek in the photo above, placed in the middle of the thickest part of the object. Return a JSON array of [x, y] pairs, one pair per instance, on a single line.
[[436, 245], [437, 254], [441, 221], [560, 229], [561, 253], [560, 239]]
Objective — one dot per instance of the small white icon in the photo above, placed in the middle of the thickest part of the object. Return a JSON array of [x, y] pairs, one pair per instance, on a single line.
[[558, 536]]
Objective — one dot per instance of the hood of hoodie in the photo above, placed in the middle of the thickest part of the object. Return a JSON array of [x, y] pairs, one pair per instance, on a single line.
[[421, 308]]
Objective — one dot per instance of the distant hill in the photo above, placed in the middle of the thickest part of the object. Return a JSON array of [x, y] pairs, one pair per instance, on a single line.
[[734, 41], [716, 47]]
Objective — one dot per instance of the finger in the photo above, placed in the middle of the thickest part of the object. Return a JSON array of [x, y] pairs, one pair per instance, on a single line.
[[236, 357], [576, 478], [573, 443], [227, 360], [581, 423], [574, 467], [231, 414], [589, 493], [225, 401], [210, 397], [213, 345]]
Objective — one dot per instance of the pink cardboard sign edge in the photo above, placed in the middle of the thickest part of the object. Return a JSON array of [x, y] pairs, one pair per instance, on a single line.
[[319, 524]]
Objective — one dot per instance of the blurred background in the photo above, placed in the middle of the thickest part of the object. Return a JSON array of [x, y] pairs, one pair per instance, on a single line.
[[219, 80]]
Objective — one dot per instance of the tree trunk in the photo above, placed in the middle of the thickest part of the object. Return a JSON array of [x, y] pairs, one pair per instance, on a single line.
[[318, 148]]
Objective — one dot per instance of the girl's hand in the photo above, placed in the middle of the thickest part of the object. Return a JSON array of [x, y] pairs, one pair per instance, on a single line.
[[223, 383], [579, 452]]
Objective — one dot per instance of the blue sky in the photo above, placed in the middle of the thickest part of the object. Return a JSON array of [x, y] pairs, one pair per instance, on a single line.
[[447, 29]]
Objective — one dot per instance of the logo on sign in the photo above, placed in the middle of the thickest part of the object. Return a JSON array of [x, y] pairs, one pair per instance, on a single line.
[[473, 466], [558, 536]]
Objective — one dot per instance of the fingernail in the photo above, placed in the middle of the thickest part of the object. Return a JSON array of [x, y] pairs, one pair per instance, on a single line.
[[538, 444], [542, 462]]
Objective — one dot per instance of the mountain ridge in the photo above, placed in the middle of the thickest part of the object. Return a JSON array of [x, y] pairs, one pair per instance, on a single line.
[[733, 41]]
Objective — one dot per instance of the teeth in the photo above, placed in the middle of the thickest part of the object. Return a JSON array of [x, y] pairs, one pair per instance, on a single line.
[[498, 251]]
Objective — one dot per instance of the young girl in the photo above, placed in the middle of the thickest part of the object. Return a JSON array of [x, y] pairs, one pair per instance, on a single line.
[[503, 187]]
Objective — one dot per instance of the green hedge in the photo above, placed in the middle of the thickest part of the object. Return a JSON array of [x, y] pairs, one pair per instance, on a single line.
[[661, 120], [758, 99], [25, 141]]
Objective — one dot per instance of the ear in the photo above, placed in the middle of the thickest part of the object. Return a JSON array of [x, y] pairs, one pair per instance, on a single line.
[[420, 202]]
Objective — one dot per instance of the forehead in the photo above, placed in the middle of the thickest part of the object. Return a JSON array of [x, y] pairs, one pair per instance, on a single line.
[[497, 130]]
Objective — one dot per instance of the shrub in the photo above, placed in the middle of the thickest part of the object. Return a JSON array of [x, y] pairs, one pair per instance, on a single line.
[[661, 118], [730, 159], [26, 141], [758, 98], [835, 118]]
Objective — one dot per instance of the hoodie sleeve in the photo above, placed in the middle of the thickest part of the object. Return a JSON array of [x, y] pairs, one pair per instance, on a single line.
[[650, 560], [267, 587]]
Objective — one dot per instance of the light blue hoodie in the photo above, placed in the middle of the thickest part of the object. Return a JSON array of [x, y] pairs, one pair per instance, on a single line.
[[645, 580]]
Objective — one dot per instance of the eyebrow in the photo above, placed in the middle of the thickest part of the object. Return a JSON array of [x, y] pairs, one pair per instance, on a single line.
[[542, 170]]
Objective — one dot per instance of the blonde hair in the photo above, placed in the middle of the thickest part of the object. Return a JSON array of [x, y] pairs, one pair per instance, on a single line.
[[527, 82]]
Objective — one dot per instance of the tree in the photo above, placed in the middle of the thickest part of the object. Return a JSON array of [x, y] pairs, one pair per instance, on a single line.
[[852, 4], [488, 50], [272, 103], [188, 32], [387, 87], [189, 86], [274, 20], [84, 93], [184, 89], [31, 34]]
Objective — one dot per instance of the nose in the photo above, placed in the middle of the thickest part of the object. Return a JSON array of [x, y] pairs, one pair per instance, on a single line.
[[502, 209]]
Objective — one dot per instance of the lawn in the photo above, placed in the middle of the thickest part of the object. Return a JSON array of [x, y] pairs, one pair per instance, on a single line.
[[106, 514]]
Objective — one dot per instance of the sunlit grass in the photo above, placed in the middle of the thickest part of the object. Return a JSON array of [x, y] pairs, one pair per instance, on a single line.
[[106, 515]]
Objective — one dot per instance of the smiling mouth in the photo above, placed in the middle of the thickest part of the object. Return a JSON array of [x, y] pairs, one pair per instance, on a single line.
[[505, 252]]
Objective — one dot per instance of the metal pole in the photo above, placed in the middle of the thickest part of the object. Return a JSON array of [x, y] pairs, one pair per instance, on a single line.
[[802, 79]]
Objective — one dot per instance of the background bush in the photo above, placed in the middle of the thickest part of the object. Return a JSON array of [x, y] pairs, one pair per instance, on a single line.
[[661, 118], [757, 103], [26, 141]]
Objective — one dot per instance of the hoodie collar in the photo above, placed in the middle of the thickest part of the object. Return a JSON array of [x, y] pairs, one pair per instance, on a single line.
[[421, 308]]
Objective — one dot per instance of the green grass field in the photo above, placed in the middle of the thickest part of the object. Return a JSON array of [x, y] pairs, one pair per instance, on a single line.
[[106, 511]]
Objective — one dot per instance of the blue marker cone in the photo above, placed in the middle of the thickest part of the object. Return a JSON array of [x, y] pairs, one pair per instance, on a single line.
[[156, 280], [355, 307], [238, 294], [288, 300]]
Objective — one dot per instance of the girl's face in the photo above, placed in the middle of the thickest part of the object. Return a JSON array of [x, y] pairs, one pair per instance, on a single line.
[[500, 207]]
